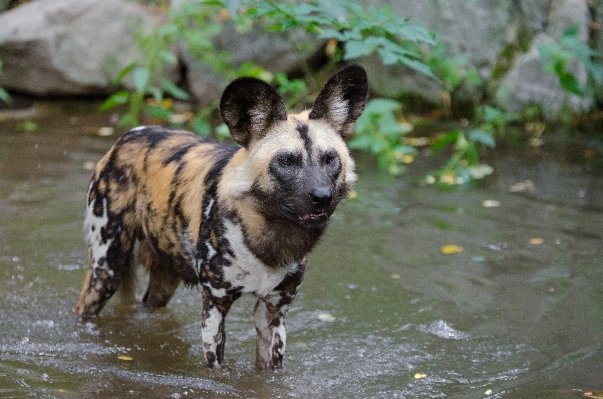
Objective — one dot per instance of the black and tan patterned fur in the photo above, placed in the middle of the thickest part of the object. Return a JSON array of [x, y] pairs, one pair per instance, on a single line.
[[231, 219]]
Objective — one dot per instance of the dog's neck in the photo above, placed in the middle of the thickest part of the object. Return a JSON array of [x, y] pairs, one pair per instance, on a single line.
[[276, 242]]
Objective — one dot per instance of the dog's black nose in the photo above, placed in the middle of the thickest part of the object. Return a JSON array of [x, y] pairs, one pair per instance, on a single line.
[[321, 196]]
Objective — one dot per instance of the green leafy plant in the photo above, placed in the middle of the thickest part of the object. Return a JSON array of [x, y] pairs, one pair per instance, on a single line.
[[379, 131], [452, 72], [147, 74], [4, 96], [361, 31], [357, 32], [464, 166], [563, 57]]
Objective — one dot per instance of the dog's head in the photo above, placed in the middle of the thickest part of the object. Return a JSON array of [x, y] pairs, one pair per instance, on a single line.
[[296, 167]]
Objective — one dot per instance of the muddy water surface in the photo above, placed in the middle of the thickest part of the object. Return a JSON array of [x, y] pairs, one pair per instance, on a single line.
[[382, 312]]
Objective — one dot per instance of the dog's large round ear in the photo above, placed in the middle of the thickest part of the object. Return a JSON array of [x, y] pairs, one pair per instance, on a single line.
[[249, 108], [342, 99]]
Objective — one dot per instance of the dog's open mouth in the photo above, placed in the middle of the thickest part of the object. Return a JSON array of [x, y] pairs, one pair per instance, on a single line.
[[306, 218], [312, 216]]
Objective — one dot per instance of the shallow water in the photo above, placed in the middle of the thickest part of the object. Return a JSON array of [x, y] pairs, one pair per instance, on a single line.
[[503, 318]]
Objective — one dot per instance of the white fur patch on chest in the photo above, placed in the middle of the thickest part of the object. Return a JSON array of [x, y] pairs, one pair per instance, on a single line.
[[249, 272]]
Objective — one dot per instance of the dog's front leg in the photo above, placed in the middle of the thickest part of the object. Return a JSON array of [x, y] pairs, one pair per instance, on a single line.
[[269, 317], [271, 334], [212, 329]]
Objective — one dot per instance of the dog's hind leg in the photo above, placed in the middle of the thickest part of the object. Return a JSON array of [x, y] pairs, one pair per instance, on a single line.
[[163, 281], [110, 246]]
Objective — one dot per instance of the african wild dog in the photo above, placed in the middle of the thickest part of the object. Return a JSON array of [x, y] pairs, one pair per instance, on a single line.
[[233, 219]]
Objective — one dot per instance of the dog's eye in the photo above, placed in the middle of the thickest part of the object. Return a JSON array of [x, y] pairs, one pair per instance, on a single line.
[[287, 161], [329, 159]]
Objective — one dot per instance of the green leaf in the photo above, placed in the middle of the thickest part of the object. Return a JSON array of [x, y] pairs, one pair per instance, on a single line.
[[419, 67], [156, 93], [128, 120], [483, 137], [360, 142], [389, 57], [569, 82], [405, 150], [201, 126], [167, 29], [379, 144], [305, 9], [115, 99], [395, 169], [222, 131], [414, 33], [198, 40], [158, 112], [122, 74], [141, 78], [447, 139], [379, 106], [168, 57], [4, 96], [174, 90], [356, 49], [332, 34], [389, 127], [363, 122], [472, 154]]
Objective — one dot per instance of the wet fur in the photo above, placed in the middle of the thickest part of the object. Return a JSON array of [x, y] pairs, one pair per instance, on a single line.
[[232, 219]]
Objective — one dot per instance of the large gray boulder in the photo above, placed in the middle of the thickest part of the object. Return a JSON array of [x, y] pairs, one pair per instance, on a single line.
[[529, 83], [272, 51], [493, 34], [69, 47], [477, 30]]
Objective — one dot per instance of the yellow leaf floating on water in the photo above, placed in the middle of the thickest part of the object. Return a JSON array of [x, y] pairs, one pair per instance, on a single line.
[[536, 241], [488, 392], [124, 357], [353, 194], [418, 376], [395, 276], [451, 249]]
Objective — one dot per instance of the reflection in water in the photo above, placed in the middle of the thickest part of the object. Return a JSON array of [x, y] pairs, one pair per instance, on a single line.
[[516, 314]]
